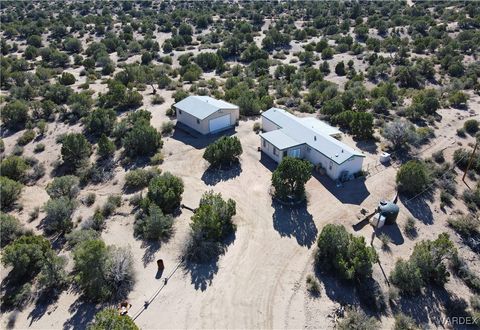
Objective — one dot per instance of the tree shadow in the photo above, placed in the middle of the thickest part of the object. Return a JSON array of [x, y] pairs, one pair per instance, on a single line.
[[350, 192], [294, 221], [367, 145], [426, 307], [151, 247], [81, 313], [214, 175], [202, 273], [42, 304], [419, 208], [189, 136]]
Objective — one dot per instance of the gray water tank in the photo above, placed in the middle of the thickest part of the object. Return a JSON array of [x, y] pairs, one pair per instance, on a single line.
[[389, 210]]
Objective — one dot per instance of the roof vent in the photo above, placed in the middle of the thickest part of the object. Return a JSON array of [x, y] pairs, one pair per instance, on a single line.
[[336, 155], [314, 138], [342, 151]]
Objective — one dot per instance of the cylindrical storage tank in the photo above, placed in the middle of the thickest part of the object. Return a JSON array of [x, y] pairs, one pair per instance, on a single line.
[[390, 211], [385, 157]]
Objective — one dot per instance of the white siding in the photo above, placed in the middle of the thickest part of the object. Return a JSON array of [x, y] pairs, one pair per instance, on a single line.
[[268, 126]]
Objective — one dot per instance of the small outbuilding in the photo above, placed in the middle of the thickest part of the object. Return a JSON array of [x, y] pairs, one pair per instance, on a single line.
[[206, 114]]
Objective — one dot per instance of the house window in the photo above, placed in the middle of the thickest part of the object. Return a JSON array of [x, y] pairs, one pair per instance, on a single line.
[[285, 153], [264, 143], [180, 111], [198, 121], [330, 165], [309, 149], [275, 151]]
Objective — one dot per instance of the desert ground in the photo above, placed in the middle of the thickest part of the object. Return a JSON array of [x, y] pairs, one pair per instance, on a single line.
[[260, 280]]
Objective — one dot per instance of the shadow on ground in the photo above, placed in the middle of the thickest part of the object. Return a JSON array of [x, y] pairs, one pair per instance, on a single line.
[[267, 162], [151, 247], [294, 221], [214, 175], [202, 273], [350, 192], [81, 313], [188, 136], [419, 208], [42, 305], [393, 232]]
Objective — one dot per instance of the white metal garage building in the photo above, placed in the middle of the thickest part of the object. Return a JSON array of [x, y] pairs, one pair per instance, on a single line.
[[206, 114]]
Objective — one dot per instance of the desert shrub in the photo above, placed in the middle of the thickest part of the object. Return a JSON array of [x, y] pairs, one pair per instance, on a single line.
[[399, 133], [20, 297], [106, 147], [103, 273], [166, 191], [76, 237], [224, 151], [26, 137], [313, 286], [14, 114], [63, 186], [9, 191], [471, 126], [40, 147], [75, 150], [167, 127], [257, 127], [438, 156], [412, 177], [289, 178], [211, 224], [465, 225], [26, 255], [90, 199], [426, 265], [2, 145], [67, 79], [404, 322], [59, 215], [458, 99], [157, 159], [14, 167], [53, 275], [112, 203], [342, 253], [357, 319], [142, 140], [110, 319], [155, 225], [140, 178], [157, 99], [34, 213], [100, 121], [10, 229]]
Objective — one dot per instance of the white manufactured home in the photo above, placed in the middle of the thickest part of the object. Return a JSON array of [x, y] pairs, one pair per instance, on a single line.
[[206, 114], [308, 138]]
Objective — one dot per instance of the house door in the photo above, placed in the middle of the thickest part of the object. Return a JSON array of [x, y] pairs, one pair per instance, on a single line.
[[219, 123]]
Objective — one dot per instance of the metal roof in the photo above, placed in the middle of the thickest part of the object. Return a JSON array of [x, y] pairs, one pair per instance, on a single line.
[[320, 126], [279, 139], [202, 106], [302, 132]]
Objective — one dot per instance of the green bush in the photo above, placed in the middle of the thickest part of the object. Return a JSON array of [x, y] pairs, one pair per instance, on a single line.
[[471, 126], [166, 191], [26, 137], [412, 177], [53, 275], [9, 191], [14, 167], [106, 147], [14, 114], [100, 121], [40, 147], [63, 186], [224, 151], [75, 150], [357, 319], [167, 127], [10, 229], [404, 322], [110, 319], [142, 140], [289, 178], [154, 226], [344, 254], [59, 215], [67, 79], [112, 203], [140, 178], [26, 255]]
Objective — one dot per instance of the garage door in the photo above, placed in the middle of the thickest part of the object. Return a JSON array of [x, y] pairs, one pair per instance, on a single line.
[[219, 123]]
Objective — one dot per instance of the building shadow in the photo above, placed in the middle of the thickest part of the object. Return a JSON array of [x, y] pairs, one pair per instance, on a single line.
[[189, 136], [267, 162], [81, 313], [214, 175], [419, 208], [294, 221], [393, 232], [351, 192], [367, 145]]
